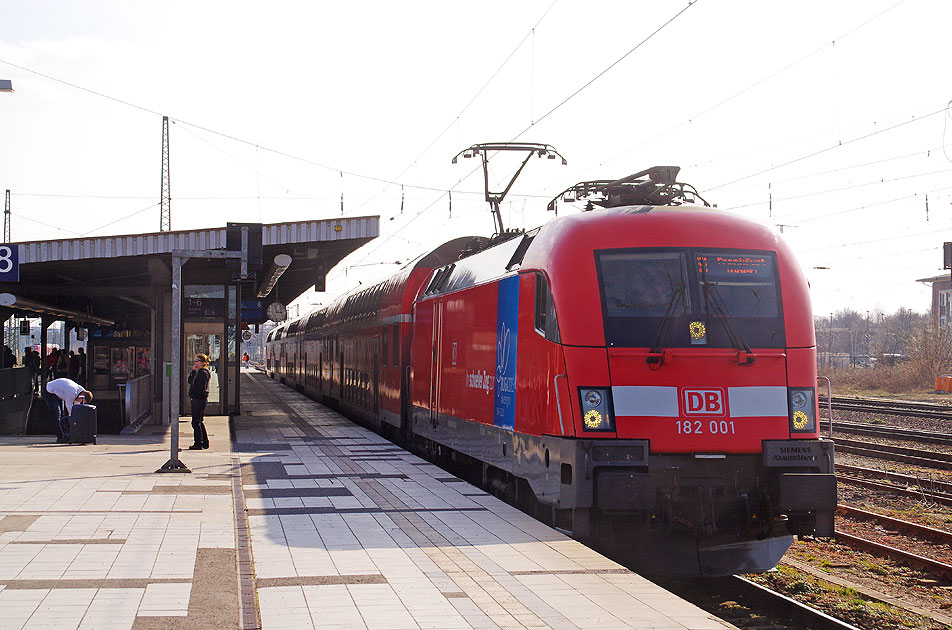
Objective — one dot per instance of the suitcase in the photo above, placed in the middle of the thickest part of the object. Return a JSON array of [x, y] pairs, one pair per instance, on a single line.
[[83, 424]]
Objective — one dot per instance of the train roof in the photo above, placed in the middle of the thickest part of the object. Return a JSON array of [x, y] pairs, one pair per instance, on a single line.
[[581, 230], [360, 304]]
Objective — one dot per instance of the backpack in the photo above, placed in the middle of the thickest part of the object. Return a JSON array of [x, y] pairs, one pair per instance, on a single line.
[[62, 363]]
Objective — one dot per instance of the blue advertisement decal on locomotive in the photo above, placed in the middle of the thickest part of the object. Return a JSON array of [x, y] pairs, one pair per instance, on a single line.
[[507, 329]]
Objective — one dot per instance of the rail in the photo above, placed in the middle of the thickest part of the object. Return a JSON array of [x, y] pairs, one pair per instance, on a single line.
[[789, 607], [919, 457], [892, 432], [892, 407]]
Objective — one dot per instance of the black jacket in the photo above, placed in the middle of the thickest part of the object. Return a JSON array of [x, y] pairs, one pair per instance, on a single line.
[[198, 384]]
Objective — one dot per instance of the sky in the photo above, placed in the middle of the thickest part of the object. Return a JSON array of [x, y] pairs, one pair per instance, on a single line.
[[829, 121]]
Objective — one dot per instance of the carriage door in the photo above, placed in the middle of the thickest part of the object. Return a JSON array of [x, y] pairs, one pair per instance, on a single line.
[[435, 362], [376, 382], [340, 394]]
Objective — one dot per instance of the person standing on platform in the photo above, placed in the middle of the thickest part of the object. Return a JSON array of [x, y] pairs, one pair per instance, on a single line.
[[73, 365], [9, 359], [82, 365], [198, 382], [31, 360], [50, 366], [60, 396], [61, 368]]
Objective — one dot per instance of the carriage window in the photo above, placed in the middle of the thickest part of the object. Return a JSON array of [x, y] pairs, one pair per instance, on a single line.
[[383, 355], [396, 345]]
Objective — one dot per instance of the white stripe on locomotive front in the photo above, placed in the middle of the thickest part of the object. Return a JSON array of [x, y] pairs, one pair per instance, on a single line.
[[662, 402]]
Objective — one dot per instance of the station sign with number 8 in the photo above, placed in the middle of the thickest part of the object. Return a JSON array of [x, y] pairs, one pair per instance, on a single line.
[[9, 263]]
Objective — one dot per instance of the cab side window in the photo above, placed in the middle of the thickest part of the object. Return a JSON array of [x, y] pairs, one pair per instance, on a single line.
[[546, 323]]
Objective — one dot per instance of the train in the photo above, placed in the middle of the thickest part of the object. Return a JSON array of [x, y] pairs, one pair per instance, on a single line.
[[641, 374]]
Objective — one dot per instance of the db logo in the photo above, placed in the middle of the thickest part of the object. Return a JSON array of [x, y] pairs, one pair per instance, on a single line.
[[702, 402]]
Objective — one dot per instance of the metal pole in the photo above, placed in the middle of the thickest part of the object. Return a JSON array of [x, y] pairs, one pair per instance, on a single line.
[[238, 350], [179, 258], [44, 339], [175, 464]]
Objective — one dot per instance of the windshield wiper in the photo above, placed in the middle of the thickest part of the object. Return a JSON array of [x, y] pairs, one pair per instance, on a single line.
[[655, 355], [727, 320]]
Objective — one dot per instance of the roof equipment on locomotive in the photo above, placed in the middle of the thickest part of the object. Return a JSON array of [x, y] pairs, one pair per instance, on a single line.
[[495, 199], [659, 189]]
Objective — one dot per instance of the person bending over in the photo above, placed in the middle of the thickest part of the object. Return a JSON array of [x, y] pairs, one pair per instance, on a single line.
[[60, 396], [198, 396]]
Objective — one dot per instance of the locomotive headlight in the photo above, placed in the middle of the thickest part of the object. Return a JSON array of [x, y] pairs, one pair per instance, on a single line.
[[802, 410], [595, 404], [593, 398]]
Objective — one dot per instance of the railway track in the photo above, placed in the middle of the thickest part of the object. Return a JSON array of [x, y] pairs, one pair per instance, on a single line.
[[767, 607], [918, 493], [889, 432], [914, 530], [915, 481], [893, 407], [918, 457]]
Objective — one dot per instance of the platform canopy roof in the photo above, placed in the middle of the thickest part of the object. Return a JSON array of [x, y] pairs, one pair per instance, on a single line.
[[101, 278]]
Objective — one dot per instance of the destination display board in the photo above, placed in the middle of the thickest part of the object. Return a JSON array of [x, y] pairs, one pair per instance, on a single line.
[[735, 265]]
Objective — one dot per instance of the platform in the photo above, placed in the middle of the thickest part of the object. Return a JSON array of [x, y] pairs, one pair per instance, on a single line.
[[339, 529]]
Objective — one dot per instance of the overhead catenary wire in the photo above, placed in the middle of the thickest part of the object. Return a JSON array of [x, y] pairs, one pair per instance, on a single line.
[[222, 134], [128, 216], [878, 240], [879, 255], [254, 169], [920, 153], [827, 215], [833, 147], [568, 98], [755, 84], [945, 124], [839, 189], [596, 77], [455, 120], [44, 223]]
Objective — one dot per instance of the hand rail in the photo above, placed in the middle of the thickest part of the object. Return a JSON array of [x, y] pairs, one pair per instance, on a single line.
[[558, 400], [829, 401]]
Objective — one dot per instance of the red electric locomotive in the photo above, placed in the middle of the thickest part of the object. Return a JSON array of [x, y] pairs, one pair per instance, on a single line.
[[643, 373]]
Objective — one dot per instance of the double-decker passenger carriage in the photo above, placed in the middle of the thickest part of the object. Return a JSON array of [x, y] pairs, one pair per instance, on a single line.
[[642, 373]]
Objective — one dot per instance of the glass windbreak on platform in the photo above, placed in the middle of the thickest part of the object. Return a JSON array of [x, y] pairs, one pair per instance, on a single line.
[[211, 346], [210, 326], [204, 338]]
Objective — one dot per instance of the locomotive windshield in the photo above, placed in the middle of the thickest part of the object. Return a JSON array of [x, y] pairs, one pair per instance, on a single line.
[[664, 297]]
